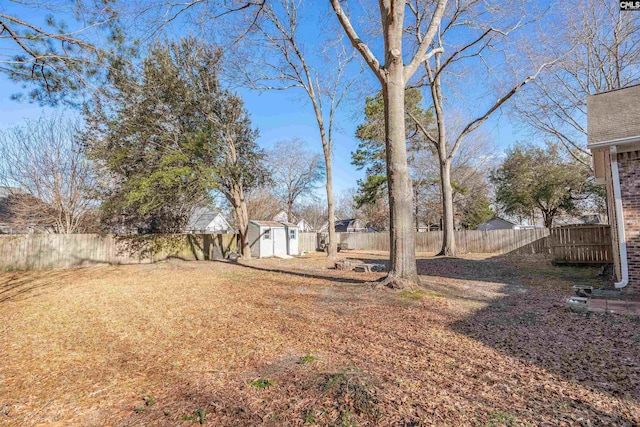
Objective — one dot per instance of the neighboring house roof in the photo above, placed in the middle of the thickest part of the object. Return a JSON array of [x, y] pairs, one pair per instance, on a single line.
[[280, 217], [273, 223], [592, 219], [38, 218], [496, 223], [5, 193], [589, 218], [351, 224], [303, 225], [204, 218], [325, 226]]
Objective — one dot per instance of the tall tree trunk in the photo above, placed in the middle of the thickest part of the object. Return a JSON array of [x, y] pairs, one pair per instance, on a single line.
[[402, 268], [289, 210], [393, 76], [448, 229], [548, 219], [242, 215], [332, 248], [332, 252]]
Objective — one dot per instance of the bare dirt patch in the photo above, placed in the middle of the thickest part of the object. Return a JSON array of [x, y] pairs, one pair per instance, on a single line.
[[487, 341]]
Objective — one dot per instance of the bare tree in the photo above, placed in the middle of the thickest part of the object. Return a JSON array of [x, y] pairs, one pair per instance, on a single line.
[[43, 161], [467, 175], [261, 203], [345, 204], [604, 54], [287, 63], [471, 34], [314, 212], [393, 76], [295, 171]]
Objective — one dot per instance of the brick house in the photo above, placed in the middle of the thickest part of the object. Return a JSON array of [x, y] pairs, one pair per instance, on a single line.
[[613, 121]]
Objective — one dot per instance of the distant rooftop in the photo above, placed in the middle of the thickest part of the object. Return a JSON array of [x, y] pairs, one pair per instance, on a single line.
[[273, 223]]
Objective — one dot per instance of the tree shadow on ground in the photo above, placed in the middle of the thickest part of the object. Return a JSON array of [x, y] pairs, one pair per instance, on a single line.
[[528, 318], [311, 274], [522, 320], [18, 286], [531, 322]]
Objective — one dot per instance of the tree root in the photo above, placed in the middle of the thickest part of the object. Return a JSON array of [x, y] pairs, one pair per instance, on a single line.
[[393, 282], [447, 253]]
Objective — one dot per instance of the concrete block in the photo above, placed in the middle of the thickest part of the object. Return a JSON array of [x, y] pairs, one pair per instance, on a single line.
[[583, 291], [578, 304]]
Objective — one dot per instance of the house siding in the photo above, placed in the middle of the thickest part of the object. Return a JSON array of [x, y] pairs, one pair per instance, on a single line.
[[253, 235], [629, 170], [278, 243], [612, 120]]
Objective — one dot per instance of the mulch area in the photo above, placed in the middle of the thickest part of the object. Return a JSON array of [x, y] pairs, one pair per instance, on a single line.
[[487, 342]]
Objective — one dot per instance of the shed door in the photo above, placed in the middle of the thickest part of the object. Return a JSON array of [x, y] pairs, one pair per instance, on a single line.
[[279, 241], [293, 235]]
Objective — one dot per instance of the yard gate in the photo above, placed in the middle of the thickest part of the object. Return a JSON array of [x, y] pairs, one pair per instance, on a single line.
[[581, 244]]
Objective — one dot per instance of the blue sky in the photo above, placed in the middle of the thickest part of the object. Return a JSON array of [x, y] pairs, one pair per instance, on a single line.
[[278, 116], [281, 115]]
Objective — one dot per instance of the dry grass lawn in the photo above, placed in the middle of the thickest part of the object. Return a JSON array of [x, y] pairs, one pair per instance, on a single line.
[[488, 342]]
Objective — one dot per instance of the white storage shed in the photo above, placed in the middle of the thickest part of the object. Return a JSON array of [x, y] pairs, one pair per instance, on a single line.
[[272, 238]]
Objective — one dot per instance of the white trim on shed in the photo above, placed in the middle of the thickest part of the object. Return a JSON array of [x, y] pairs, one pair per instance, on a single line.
[[272, 238]]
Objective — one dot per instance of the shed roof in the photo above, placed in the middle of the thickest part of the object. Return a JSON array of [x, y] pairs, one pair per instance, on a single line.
[[273, 223]]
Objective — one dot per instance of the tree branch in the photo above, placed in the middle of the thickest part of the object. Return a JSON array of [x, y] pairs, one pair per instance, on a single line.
[[473, 125], [357, 42], [420, 55], [423, 129]]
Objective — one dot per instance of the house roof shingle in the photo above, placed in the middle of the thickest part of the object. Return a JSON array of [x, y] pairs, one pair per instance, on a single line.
[[201, 218]]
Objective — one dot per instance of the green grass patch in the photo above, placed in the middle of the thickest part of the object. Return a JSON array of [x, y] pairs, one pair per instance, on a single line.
[[309, 417], [149, 401], [334, 379], [200, 415], [501, 419], [307, 359], [262, 383]]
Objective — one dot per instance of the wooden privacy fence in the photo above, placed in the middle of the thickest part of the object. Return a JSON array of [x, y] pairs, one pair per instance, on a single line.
[[308, 242], [581, 244], [577, 244], [467, 241], [569, 244], [46, 251]]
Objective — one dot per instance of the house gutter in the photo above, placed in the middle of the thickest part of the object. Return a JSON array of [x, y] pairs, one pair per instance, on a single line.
[[614, 142], [622, 240]]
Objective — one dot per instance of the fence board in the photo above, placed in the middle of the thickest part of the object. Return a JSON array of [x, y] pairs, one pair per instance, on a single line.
[[582, 244], [47, 251], [467, 241], [570, 244], [308, 242]]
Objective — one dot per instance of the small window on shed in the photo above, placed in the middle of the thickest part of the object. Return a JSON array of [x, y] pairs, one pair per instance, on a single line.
[[292, 234], [267, 234]]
